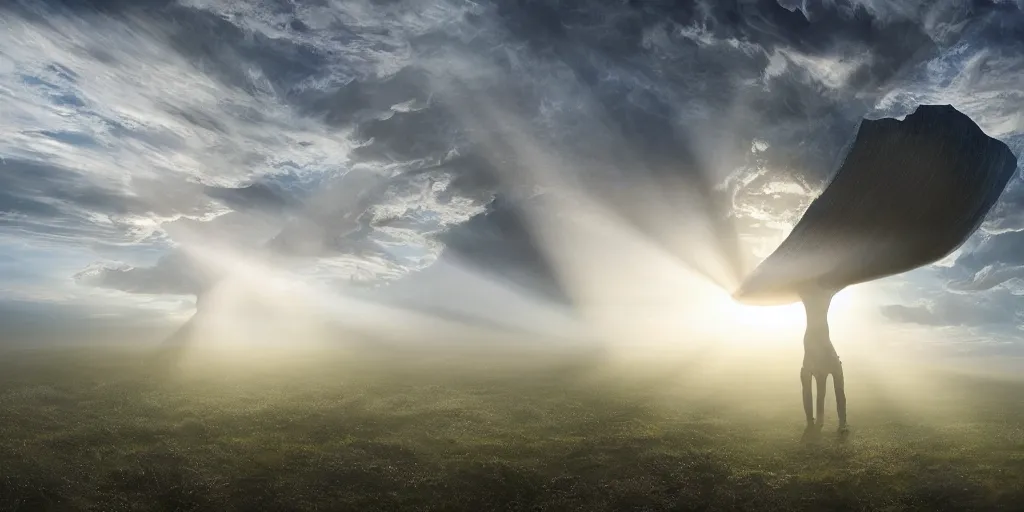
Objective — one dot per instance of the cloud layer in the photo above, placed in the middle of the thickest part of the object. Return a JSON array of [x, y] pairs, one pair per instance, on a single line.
[[357, 140]]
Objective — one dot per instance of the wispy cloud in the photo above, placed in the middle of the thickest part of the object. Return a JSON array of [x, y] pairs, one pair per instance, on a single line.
[[329, 137]]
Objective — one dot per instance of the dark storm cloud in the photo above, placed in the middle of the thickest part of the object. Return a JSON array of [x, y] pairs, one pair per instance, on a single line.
[[280, 101], [661, 96], [36, 189], [266, 197], [990, 261], [359, 100], [1002, 248], [975, 310], [997, 259], [175, 273], [220, 47], [919, 314], [336, 219], [50, 202], [603, 44], [711, 52], [707, 55], [473, 177], [58, 204]]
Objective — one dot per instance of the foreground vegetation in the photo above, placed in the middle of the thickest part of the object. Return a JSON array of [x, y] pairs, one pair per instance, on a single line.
[[90, 429]]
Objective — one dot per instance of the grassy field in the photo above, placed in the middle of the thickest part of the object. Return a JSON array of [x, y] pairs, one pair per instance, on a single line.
[[92, 429]]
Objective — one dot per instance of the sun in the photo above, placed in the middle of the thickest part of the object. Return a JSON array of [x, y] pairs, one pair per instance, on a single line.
[[766, 317], [765, 322]]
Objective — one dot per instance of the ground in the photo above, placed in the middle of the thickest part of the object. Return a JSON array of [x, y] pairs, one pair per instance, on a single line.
[[97, 429]]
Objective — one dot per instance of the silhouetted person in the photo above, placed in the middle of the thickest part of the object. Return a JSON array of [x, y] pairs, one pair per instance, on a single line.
[[820, 360]]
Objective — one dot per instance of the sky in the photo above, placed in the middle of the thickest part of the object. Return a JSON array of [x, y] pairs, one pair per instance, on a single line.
[[526, 162]]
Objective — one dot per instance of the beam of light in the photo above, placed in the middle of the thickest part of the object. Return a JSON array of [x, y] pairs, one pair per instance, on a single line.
[[788, 318], [640, 291], [630, 287], [645, 288], [256, 304], [679, 208], [675, 333]]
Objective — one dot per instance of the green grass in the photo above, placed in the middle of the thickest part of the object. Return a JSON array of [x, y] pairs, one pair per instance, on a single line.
[[91, 429]]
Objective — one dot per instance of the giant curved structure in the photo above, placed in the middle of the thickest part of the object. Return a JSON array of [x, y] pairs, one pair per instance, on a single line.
[[907, 194]]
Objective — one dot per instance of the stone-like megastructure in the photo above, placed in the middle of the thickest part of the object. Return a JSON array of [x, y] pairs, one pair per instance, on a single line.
[[907, 194]]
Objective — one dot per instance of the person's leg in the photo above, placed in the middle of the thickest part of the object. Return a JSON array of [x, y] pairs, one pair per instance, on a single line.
[[822, 381], [840, 386], [805, 383]]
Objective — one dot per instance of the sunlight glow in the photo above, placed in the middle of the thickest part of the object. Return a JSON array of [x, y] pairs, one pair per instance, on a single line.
[[760, 323]]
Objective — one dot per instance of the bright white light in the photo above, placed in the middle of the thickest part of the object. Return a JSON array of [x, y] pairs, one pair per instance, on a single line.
[[759, 324]]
